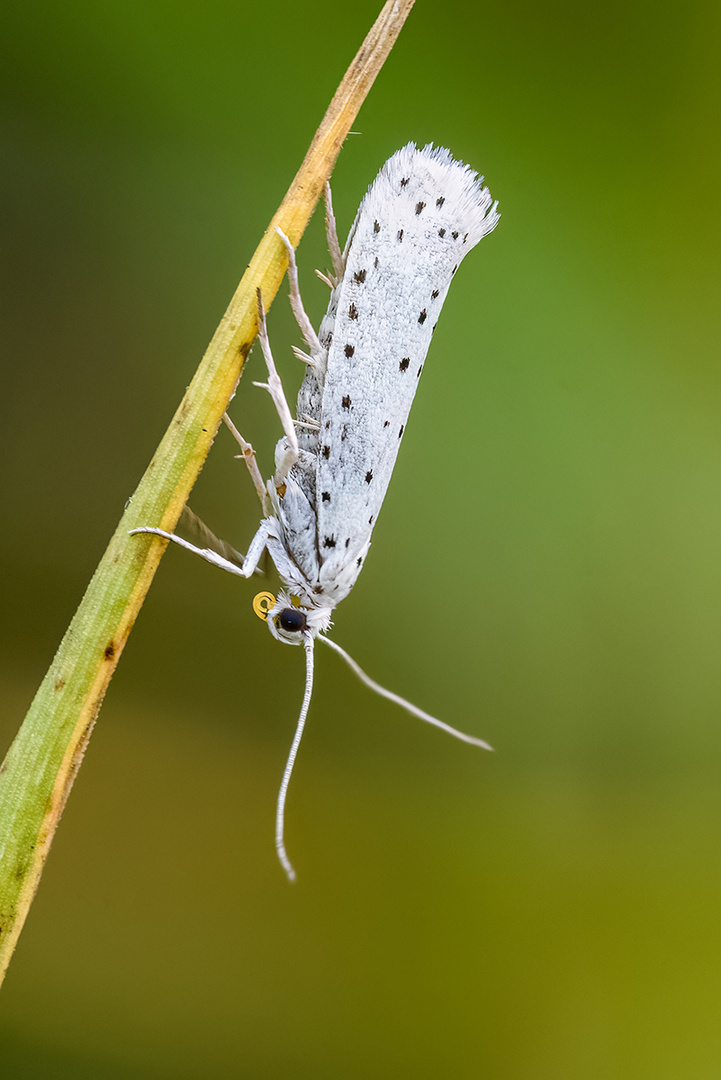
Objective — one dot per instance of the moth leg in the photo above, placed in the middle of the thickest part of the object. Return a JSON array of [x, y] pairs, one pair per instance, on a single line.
[[307, 422], [275, 388], [248, 456], [306, 327], [250, 562], [198, 534], [331, 232]]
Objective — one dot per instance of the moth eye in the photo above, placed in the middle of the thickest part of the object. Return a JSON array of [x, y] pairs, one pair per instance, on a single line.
[[292, 620]]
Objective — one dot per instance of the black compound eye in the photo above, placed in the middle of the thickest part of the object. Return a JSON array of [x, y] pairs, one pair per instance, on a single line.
[[291, 619]]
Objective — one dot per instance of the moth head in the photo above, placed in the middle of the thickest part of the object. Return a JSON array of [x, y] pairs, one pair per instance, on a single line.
[[289, 619]]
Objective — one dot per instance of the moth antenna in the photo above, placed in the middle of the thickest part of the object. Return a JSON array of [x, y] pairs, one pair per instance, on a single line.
[[413, 709], [280, 811]]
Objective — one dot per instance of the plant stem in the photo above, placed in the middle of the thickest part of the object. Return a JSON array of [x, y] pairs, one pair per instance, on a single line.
[[38, 772]]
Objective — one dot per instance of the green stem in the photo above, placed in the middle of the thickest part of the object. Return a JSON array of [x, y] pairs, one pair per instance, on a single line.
[[38, 772]]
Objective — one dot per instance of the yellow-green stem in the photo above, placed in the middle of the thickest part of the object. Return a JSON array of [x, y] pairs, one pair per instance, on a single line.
[[38, 772]]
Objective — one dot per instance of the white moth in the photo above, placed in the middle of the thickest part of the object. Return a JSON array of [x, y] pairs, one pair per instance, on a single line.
[[421, 216]]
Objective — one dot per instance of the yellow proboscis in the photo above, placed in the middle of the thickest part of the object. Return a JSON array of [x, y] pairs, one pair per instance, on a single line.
[[262, 603]]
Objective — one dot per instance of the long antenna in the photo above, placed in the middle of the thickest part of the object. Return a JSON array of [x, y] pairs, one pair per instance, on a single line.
[[280, 811], [413, 709]]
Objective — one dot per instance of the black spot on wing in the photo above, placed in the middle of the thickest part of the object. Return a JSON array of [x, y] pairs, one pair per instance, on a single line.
[[403, 366], [441, 233], [346, 401], [325, 496], [454, 235], [369, 476], [439, 202], [359, 277], [434, 294], [419, 207], [326, 452], [400, 235], [404, 181], [423, 316], [329, 542], [401, 431], [376, 226], [386, 423], [349, 350], [353, 311]]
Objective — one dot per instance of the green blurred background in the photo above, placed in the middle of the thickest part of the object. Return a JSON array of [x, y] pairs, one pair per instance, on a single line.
[[546, 572]]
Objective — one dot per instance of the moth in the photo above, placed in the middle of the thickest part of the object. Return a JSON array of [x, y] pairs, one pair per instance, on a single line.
[[421, 216]]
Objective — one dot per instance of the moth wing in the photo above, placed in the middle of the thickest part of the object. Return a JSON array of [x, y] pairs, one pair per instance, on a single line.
[[421, 216]]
